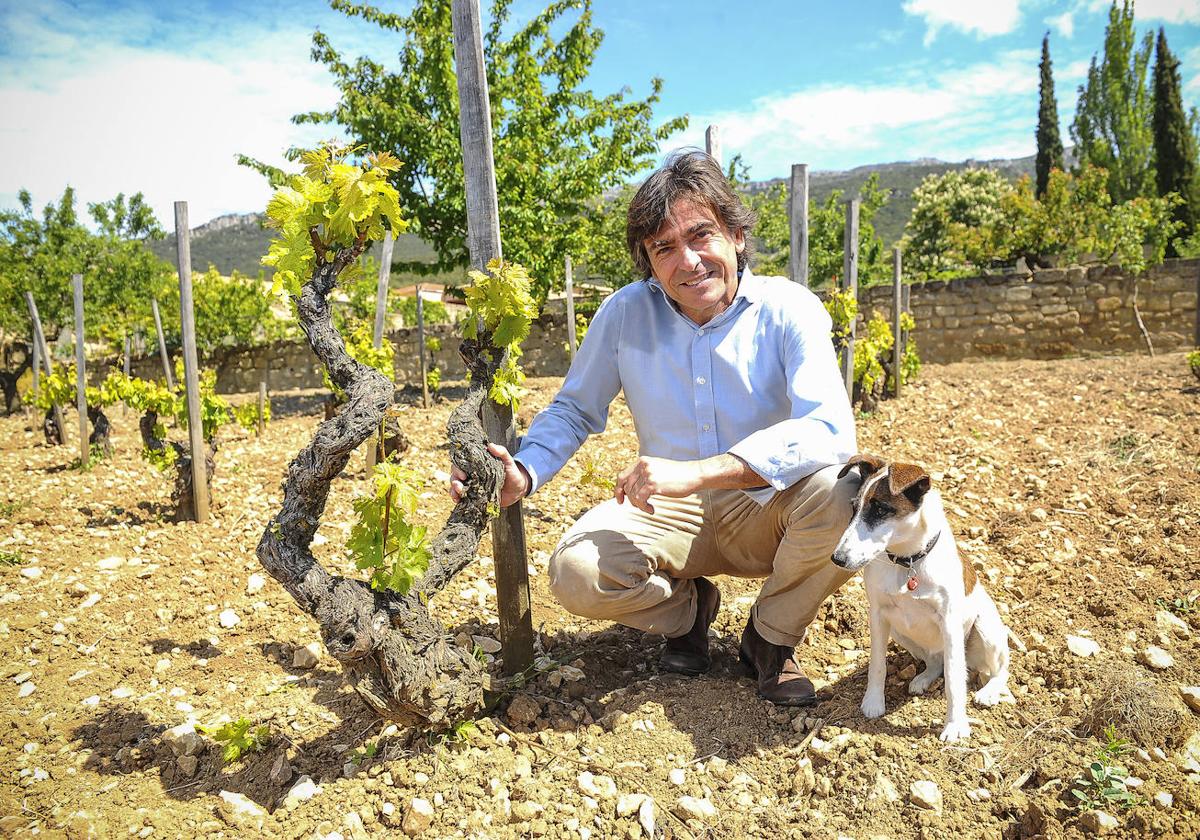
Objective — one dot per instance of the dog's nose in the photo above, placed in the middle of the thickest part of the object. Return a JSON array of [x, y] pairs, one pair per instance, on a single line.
[[839, 559]]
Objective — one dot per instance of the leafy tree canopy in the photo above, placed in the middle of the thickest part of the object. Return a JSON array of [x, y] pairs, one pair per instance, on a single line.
[[556, 144]]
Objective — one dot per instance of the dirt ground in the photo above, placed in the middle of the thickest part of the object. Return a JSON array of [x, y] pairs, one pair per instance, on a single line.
[[1072, 487]]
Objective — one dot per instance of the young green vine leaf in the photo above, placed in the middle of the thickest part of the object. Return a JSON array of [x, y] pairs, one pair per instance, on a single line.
[[503, 301]]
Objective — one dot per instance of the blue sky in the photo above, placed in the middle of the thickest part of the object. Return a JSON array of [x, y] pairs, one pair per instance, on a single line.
[[88, 89]]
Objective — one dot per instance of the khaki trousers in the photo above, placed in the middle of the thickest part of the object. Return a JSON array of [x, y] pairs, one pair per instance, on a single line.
[[621, 564]]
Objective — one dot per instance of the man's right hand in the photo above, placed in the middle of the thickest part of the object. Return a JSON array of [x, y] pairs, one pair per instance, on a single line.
[[516, 480]]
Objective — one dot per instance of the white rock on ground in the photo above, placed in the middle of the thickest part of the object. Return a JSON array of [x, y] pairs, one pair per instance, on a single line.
[[183, 740], [1168, 622], [307, 656], [1082, 646], [926, 794], [646, 817], [255, 584], [884, 789], [1098, 822], [1156, 658], [677, 777], [304, 790], [598, 787], [418, 817], [628, 803], [1163, 800], [1191, 696], [238, 810], [693, 808], [229, 619], [26, 689], [487, 644]]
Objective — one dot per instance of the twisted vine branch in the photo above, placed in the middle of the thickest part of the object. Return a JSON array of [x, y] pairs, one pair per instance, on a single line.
[[398, 657]]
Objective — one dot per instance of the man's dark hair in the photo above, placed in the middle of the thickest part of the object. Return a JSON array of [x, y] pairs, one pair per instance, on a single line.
[[686, 174]]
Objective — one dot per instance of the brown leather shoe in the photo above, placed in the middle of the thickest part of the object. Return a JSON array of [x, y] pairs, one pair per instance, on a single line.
[[780, 679], [688, 654]]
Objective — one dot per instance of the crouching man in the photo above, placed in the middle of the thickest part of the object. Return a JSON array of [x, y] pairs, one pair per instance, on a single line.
[[742, 423]]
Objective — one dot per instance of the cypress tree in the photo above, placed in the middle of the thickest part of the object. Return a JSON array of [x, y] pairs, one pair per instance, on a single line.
[[1049, 144], [1174, 143]]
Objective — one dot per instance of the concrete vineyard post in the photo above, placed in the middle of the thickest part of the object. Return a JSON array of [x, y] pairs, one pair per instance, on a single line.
[[569, 286], [798, 223], [712, 143], [897, 309], [80, 371]]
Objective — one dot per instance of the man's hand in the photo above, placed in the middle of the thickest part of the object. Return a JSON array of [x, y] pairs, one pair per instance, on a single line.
[[516, 480], [648, 477]]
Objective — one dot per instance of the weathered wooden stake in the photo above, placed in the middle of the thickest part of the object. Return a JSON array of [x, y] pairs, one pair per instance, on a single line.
[[897, 310], [381, 296], [712, 143], [191, 369], [1196, 337], [39, 339], [569, 286], [798, 222], [483, 243], [36, 361], [421, 348], [125, 368], [162, 343], [850, 275], [80, 372], [262, 407]]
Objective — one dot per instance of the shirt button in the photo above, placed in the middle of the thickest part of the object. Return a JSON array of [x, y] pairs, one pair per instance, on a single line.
[[706, 427], [700, 380], [699, 332]]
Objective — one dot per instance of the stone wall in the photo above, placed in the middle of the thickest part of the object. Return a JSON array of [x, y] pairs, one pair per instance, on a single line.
[[1047, 314]]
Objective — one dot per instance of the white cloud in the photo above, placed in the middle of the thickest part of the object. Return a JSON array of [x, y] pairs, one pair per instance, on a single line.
[[167, 119], [1167, 11], [1064, 24], [984, 18], [985, 110]]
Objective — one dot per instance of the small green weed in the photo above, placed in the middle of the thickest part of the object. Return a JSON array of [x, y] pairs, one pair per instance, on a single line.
[[363, 753], [95, 456], [238, 737], [11, 558], [8, 508], [1179, 606], [1103, 784], [456, 735], [591, 475]]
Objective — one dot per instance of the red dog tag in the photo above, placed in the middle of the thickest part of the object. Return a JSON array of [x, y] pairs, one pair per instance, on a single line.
[[912, 584]]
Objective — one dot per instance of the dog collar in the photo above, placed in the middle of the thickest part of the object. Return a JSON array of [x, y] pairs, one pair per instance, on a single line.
[[907, 560]]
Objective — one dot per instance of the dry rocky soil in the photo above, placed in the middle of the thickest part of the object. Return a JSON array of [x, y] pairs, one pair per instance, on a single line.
[[1073, 487]]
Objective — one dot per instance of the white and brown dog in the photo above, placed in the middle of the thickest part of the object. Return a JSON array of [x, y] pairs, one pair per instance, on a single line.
[[921, 592]]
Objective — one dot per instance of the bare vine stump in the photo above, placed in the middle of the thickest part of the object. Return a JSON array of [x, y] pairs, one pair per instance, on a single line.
[[101, 429], [182, 495], [399, 658], [50, 429]]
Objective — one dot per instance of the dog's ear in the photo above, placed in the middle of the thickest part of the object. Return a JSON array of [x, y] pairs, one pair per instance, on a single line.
[[910, 480], [867, 464]]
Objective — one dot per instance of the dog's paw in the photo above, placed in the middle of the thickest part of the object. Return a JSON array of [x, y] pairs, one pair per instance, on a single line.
[[872, 707], [992, 693], [921, 682], [955, 730]]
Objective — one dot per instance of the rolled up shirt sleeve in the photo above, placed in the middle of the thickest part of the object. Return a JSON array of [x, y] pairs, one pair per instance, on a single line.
[[820, 430]]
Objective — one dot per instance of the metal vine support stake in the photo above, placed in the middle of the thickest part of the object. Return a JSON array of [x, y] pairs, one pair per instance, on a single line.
[[398, 657]]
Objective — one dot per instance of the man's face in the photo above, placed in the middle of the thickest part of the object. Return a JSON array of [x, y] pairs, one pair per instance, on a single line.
[[695, 259]]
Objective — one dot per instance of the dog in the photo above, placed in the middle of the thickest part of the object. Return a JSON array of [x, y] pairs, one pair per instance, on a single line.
[[921, 593]]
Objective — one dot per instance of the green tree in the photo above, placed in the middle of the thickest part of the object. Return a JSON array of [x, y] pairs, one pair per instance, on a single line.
[[1049, 144], [229, 311], [607, 253], [556, 144], [1112, 127], [1174, 142], [945, 208]]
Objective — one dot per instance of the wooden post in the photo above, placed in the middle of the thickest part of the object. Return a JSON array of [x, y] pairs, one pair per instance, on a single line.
[[262, 407], [421, 348], [483, 243], [191, 370], [80, 373], [39, 339], [712, 143], [850, 277], [798, 221], [1196, 337], [569, 286], [381, 295], [162, 342], [125, 366], [36, 362], [897, 310]]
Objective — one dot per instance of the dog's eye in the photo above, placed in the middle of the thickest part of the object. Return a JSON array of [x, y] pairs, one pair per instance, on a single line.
[[880, 509]]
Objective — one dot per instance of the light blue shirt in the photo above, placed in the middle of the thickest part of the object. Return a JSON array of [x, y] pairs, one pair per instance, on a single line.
[[759, 381]]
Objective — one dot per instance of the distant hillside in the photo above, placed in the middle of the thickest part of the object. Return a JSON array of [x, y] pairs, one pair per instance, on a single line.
[[238, 241]]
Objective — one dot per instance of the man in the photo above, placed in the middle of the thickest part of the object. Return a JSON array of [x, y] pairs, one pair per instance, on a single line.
[[742, 422]]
